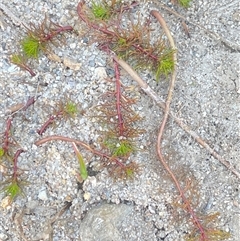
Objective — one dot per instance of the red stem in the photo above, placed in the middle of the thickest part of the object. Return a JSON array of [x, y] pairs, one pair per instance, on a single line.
[[56, 32], [195, 219], [46, 124], [118, 100], [24, 66], [6, 135], [81, 143], [155, 58], [15, 158], [49, 122], [94, 26], [29, 102]]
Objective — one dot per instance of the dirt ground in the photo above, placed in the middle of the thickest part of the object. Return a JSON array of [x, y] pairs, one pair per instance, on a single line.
[[206, 98]]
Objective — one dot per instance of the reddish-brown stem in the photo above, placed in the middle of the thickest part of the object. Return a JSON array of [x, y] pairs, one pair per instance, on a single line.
[[80, 143], [50, 121], [142, 50], [154, 96], [118, 100], [55, 32], [22, 106], [15, 159], [7, 135], [27, 68], [92, 25], [46, 124], [195, 219], [30, 102]]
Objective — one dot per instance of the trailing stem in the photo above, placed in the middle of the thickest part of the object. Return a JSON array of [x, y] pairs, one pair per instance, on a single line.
[[21, 106], [15, 167], [80, 143], [195, 219]]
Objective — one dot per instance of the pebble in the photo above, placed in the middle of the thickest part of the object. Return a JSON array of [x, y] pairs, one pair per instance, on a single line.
[[3, 237], [103, 222], [42, 195]]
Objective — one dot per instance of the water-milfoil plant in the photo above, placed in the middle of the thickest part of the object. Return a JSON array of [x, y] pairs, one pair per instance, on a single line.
[[13, 186], [37, 39], [66, 109], [21, 61], [120, 129], [130, 41], [39, 36]]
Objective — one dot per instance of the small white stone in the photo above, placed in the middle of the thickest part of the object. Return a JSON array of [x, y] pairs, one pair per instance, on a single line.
[[3, 237], [87, 196], [100, 73], [43, 195], [72, 45]]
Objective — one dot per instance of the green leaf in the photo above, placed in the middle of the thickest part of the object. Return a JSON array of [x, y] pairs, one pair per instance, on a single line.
[[83, 169]]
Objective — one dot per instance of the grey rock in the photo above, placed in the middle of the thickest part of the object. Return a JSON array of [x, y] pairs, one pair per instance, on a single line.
[[102, 222]]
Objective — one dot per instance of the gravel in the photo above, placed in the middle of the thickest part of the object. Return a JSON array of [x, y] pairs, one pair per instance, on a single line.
[[206, 96]]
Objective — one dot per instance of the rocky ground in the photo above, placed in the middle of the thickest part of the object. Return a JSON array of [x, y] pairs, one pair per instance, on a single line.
[[54, 206]]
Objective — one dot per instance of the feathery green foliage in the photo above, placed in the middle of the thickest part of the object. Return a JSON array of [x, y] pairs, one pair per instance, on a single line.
[[31, 46], [101, 10], [17, 59], [119, 148], [70, 109], [13, 190], [166, 65], [184, 3]]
